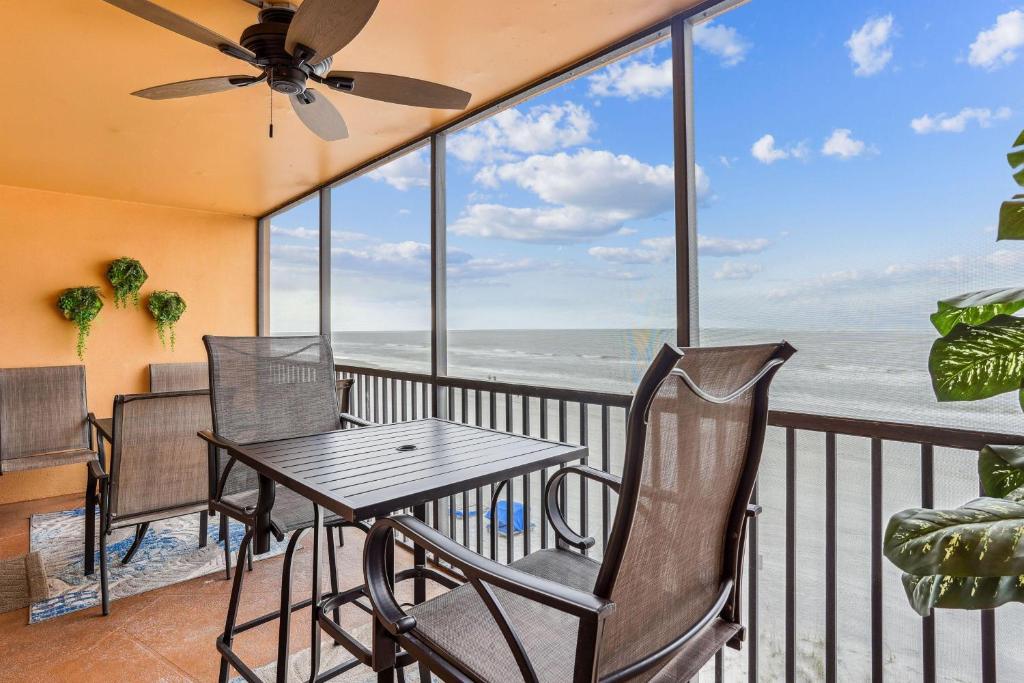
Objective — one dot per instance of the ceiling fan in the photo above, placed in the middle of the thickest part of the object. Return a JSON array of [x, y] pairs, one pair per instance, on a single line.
[[292, 47]]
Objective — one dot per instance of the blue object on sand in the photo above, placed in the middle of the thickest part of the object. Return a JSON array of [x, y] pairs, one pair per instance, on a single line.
[[501, 512]]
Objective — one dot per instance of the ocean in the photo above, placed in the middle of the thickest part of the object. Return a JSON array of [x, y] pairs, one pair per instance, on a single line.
[[879, 375]]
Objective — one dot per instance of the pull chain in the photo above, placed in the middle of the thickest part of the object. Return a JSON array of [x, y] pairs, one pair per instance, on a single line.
[[271, 109]]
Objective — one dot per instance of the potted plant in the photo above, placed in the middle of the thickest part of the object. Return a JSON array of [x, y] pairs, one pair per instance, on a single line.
[[126, 276], [81, 305], [167, 309], [973, 557]]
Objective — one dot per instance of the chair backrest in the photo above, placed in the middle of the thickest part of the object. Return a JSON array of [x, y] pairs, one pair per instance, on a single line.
[[42, 410], [178, 376], [265, 388], [693, 445], [157, 462]]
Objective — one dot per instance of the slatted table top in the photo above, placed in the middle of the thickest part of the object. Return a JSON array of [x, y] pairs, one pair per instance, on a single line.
[[374, 471]]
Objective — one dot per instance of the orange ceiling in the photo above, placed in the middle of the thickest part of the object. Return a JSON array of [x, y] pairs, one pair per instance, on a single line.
[[70, 125]]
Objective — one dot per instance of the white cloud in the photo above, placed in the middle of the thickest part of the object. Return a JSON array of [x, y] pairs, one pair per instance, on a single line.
[[998, 45], [406, 172], [297, 233], [900, 274], [724, 42], [869, 46], [348, 236], [633, 78], [588, 193], [765, 151], [661, 249], [642, 76], [733, 270], [650, 251], [957, 123], [409, 260], [510, 133], [843, 145], [721, 246], [562, 224], [489, 268], [595, 179]]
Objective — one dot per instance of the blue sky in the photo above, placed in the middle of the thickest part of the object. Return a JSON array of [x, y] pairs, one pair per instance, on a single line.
[[850, 172]]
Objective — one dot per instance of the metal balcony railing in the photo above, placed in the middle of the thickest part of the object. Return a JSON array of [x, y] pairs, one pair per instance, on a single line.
[[597, 419]]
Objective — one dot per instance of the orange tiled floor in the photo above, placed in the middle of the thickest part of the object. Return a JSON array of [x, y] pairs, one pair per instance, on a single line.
[[163, 635]]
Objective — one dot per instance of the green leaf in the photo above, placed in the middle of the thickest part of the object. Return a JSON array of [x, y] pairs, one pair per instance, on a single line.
[[974, 592], [1001, 470], [980, 538], [976, 308], [1011, 221], [1016, 158], [971, 363]]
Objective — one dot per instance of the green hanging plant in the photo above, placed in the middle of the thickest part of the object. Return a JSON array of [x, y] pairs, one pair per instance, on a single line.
[[127, 276], [81, 305], [167, 309]]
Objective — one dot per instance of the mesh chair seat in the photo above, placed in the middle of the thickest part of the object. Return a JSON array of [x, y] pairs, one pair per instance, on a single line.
[[69, 457], [459, 624], [291, 511]]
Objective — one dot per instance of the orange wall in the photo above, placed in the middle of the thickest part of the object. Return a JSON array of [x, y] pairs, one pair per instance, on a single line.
[[50, 241]]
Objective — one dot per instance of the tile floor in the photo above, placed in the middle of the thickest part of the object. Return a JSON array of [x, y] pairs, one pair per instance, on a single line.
[[166, 635]]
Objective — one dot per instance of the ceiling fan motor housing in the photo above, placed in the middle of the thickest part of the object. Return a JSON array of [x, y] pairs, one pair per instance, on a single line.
[[266, 40]]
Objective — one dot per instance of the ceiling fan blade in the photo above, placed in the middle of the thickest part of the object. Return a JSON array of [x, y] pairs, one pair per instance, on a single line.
[[198, 86], [319, 115], [186, 27], [401, 90], [325, 26]]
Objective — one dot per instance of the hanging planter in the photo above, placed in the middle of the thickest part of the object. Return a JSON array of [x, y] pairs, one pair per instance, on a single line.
[[167, 309], [126, 276], [81, 305]]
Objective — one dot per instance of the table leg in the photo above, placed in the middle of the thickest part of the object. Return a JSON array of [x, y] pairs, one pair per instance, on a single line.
[[314, 643]]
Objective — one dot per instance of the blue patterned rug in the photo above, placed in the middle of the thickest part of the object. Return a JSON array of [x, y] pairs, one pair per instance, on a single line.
[[169, 554]]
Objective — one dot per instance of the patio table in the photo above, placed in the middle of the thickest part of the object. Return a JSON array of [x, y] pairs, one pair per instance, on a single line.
[[360, 474]]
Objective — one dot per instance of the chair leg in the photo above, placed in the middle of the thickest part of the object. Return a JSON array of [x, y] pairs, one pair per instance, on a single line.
[[104, 578], [140, 532], [333, 562], [204, 519], [236, 592], [90, 526], [225, 537], [284, 621], [248, 557]]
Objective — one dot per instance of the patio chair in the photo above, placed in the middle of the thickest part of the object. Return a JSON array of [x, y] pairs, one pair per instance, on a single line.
[[179, 376], [187, 376], [262, 389], [158, 469], [664, 599], [44, 422]]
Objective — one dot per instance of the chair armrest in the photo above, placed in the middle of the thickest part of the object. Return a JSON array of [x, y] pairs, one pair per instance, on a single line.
[[357, 421], [210, 437], [96, 470], [474, 567], [557, 519]]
